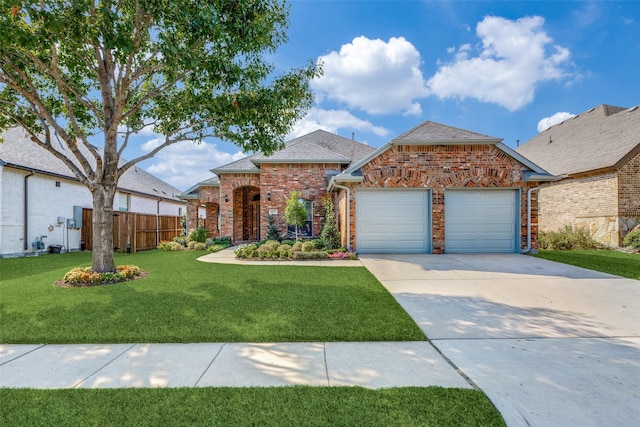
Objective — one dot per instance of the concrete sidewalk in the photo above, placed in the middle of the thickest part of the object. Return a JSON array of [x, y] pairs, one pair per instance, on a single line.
[[369, 364]]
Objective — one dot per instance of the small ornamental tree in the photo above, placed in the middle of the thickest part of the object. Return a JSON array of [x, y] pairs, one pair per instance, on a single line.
[[272, 229], [93, 73], [295, 213], [330, 234]]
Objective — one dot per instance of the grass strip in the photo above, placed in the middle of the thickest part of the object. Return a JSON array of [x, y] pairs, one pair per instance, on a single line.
[[284, 406], [607, 261], [185, 300]]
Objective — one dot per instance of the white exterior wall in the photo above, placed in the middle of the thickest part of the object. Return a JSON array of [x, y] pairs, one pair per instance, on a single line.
[[46, 203], [148, 205]]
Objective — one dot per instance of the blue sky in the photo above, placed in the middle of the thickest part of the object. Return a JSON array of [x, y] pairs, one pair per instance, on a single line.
[[504, 69]]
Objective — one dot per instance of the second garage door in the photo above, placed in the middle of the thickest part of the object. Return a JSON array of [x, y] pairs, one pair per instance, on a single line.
[[480, 220], [393, 221]]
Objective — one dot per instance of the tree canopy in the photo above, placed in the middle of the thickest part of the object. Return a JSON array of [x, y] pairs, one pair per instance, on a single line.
[[78, 70]]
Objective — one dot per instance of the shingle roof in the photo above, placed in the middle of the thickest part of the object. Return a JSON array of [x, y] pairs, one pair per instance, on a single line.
[[18, 150], [194, 192], [438, 133], [316, 147], [301, 152], [596, 139]]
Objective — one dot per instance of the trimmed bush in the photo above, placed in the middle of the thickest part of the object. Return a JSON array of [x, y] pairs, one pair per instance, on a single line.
[[308, 246], [284, 251], [568, 238], [297, 247], [309, 255], [342, 254], [182, 240], [245, 251], [170, 246], [632, 239], [199, 246]]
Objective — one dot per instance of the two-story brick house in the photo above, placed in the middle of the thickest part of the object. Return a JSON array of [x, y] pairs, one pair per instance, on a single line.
[[433, 189]]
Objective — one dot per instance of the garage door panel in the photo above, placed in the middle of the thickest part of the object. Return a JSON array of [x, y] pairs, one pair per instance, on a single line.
[[392, 221], [480, 220]]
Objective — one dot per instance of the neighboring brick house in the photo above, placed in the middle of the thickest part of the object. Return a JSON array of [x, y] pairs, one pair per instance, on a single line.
[[433, 189], [597, 153]]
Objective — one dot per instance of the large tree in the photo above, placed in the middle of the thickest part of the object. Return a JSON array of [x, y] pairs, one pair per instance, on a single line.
[[78, 70]]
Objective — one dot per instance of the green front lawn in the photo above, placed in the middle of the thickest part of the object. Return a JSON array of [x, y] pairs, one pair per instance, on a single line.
[[283, 406], [185, 300], [612, 262]]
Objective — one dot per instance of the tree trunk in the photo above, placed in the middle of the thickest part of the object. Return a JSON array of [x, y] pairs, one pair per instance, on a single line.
[[103, 260]]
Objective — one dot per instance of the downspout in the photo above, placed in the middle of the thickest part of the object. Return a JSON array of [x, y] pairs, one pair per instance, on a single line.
[[26, 210], [158, 223], [342, 187]]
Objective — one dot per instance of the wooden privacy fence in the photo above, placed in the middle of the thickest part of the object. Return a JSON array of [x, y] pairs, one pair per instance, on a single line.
[[134, 232]]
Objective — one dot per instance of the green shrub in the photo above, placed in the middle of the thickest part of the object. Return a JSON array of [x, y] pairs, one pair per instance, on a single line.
[[632, 239], [568, 238], [198, 234], [181, 239], [288, 242], [199, 246], [330, 234], [216, 248], [284, 251], [271, 245], [308, 246], [309, 255], [245, 251], [170, 246], [224, 242], [272, 229]]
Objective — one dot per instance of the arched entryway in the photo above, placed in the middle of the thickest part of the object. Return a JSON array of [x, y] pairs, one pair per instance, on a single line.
[[246, 214]]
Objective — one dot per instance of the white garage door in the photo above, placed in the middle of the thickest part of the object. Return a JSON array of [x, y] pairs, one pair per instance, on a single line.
[[480, 220], [390, 221]]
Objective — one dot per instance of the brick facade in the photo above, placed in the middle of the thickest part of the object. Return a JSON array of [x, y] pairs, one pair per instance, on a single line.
[[244, 200], [439, 167], [606, 204], [235, 189], [278, 180]]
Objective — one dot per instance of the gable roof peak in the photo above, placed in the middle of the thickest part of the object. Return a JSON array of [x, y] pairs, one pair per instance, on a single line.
[[430, 132]]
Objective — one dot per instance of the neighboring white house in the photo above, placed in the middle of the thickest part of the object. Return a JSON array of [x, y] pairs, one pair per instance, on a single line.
[[39, 196]]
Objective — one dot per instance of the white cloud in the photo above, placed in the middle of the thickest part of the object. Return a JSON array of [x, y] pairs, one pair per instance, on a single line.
[[186, 163], [514, 58], [547, 122], [332, 121], [375, 76]]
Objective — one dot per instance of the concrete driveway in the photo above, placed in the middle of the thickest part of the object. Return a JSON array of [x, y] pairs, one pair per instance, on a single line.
[[550, 344]]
